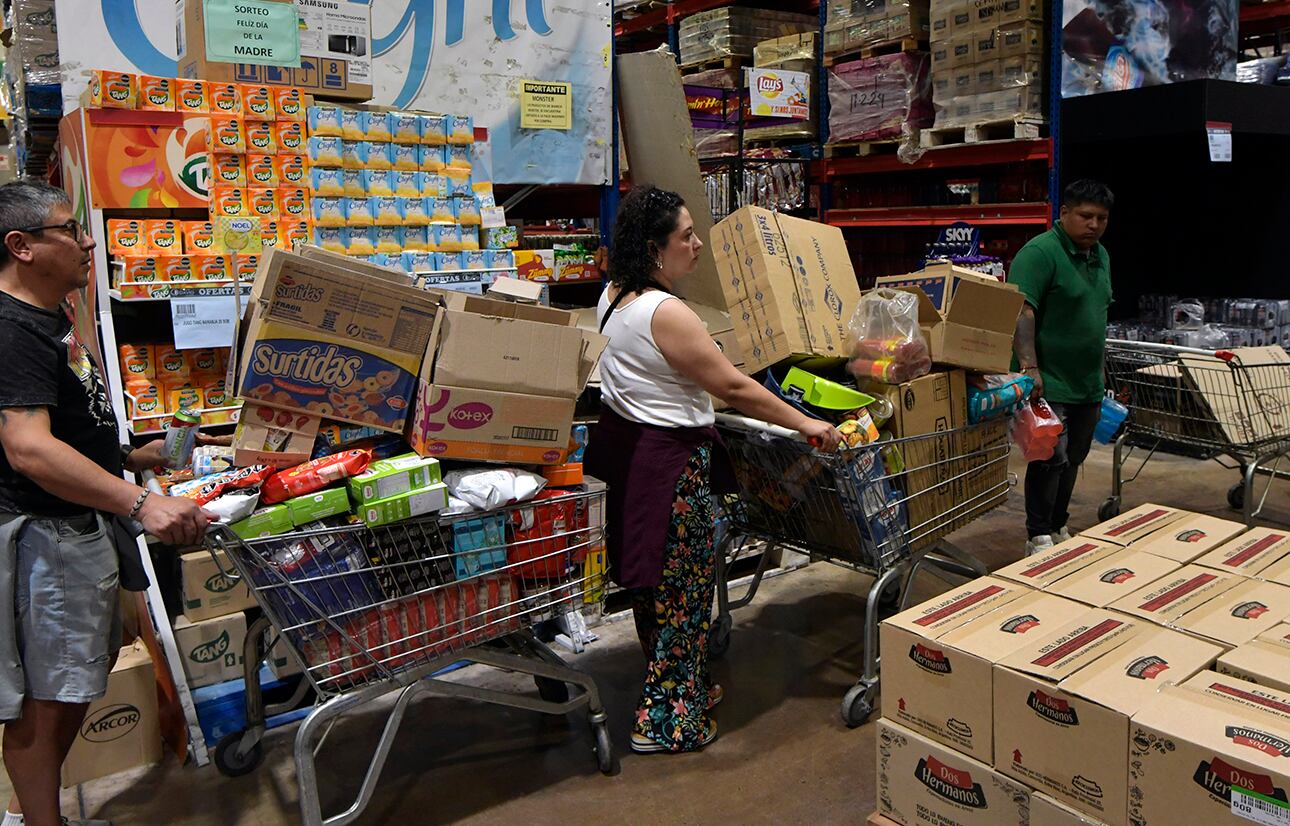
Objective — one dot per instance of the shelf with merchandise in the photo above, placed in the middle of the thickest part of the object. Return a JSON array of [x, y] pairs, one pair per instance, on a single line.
[[1038, 214]]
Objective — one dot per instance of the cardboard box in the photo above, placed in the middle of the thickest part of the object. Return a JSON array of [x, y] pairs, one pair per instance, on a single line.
[[988, 76], [327, 340], [1238, 614], [1191, 754], [1062, 704], [1264, 660], [1113, 577], [335, 47], [1171, 596], [967, 318], [789, 285], [390, 477], [267, 436], [206, 591], [1278, 571], [1190, 537], [211, 649], [961, 16], [1249, 553], [942, 15], [1214, 382], [314, 506], [937, 675], [928, 404], [271, 520], [122, 729], [1134, 525], [1021, 40], [962, 51], [1062, 560], [1045, 811], [405, 505], [1011, 12], [920, 781]]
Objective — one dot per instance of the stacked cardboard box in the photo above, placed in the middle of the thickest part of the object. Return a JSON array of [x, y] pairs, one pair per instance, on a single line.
[[733, 32], [855, 24], [794, 53], [880, 98], [987, 60]]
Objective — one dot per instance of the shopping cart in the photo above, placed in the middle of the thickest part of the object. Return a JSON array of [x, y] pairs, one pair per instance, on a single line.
[[883, 510], [1207, 404], [366, 612]]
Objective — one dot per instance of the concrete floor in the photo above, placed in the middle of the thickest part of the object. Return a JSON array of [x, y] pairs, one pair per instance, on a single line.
[[784, 754]]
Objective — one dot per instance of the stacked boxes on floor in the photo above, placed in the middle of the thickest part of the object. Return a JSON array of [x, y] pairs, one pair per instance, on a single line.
[[1131, 675], [987, 60], [855, 24], [733, 32]]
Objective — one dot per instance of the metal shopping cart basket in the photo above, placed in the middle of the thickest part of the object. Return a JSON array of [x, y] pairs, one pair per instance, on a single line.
[[368, 611], [883, 510], [1233, 407]]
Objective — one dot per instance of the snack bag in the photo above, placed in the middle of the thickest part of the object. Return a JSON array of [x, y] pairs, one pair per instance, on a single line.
[[226, 99], [290, 135], [226, 134], [257, 102], [289, 103], [889, 345], [260, 170], [156, 94], [113, 90], [290, 169], [192, 96], [126, 237], [211, 487], [199, 236], [434, 130], [262, 136], [162, 236], [313, 475]]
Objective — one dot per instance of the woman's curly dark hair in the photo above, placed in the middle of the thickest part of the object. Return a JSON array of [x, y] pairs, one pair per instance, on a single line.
[[646, 214]]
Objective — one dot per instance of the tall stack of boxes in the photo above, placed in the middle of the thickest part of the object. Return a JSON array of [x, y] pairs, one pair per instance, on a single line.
[[32, 74], [1132, 675], [987, 60], [855, 24]]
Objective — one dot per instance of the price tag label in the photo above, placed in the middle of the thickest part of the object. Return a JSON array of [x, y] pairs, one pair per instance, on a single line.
[[1220, 141], [1260, 808], [492, 217], [203, 321]]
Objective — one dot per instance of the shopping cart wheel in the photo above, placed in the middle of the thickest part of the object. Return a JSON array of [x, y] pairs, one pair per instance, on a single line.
[[1109, 510], [719, 637], [230, 760], [857, 705], [604, 749], [553, 691], [1236, 496], [889, 599]]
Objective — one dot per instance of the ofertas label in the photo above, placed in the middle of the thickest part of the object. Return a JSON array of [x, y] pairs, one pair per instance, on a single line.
[[545, 105], [773, 93], [252, 31]]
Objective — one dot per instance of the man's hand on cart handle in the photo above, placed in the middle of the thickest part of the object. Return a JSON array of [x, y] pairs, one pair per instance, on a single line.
[[820, 435], [175, 520]]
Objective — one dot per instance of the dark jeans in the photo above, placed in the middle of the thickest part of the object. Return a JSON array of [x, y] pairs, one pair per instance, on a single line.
[[1049, 484]]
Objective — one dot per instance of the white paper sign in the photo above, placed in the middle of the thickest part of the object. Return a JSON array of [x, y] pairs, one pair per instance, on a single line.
[[1220, 141], [492, 217], [203, 321], [774, 93]]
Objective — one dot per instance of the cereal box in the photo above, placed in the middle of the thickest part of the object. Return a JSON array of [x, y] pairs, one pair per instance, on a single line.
[[227, 134], [226, 99], [405, 505], [460, 129], [211, 267], [199, 236], [378, 181], [328, 212], [432, 158], [332, 239], [161, 236], [262, 202], [405, 127], [156, 93], [291, 135], [125, 237], [351, 126], [289, 103], [260, 170], [434, 130], [405, 156], [228, 169], [192, 96], [137, 361], [175, 268], [290, 169], [324, 151], [113, 90], [229, 202], [262, 136], [257, 102], [376, 127], [291, 233]]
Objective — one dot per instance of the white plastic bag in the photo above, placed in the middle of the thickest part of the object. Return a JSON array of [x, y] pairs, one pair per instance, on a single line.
[[888, 344], [488, 489]]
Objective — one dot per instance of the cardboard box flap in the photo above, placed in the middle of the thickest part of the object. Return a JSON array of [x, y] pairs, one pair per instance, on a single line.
[[1258, 734], [1072, 645], [1258, 661], [1059, 561], [1168, 598], [1240, 613], [1278, 571], [353, 263], [1249, 553], [954, 608], [1112, 577], [593, 348], [518, 290], [999, 633], [1131, 675], [509, 355], [1134, 525], [1233, 691], [1189, 537], [1278, 635], [499, 308], [928, 315], [993, 308]]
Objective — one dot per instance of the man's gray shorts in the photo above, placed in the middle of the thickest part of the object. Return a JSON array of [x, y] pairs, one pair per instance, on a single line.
[[59, 610]]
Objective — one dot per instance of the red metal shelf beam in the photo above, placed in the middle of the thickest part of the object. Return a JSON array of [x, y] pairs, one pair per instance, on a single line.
[[941, 216], [968, 154], [1265, 11]]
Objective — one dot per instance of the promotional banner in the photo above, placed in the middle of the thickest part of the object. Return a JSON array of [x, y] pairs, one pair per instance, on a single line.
[[117, 35], [475, 57], [777, 93]]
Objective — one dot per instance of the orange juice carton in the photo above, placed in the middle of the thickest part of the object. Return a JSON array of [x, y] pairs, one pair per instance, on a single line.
[[327, 181], [211, 267], [125, 237], [415, 239], [262, 201], [386, 210], [171, 364], [291, 135], [228, 202], [289, 103], [227, 134], [405, 127], [290, 169], [351, 125], [387, 239], [360, 241], [376, 127], [139, 269], [432, 158], [358, 212], [261, 170], [442, 211], [192, 96], [175, 268], [161, 236], [257, 102], [262, 136], [324, 121], [354, 182], [324, 151], [228, 169], [332, 239], [144, 397], [378, 181], [269, 233], [137, 361], [291, 233], [415, 211], [460, 129], [293, 203], [244, 267], [434, 129], [202, 360], [113, 90], [156, 93], [328, 211], [226, 99]]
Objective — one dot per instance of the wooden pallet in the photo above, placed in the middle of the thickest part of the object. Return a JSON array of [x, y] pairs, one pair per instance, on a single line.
[[774, 141], [728, 62], [861, 149], [900, 44], [1023, 127]]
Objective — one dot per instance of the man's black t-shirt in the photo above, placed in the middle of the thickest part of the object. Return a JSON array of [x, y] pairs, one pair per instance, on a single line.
[[43, 364]]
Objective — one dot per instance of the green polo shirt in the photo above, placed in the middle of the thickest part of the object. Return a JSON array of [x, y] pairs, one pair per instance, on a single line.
[[1070, 291]]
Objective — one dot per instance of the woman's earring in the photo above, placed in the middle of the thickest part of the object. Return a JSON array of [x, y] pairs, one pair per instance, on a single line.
[[658, 262]]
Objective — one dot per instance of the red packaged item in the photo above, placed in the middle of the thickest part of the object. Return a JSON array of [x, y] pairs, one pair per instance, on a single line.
[[540, 538], [450, 619], [209, 488], [314, 475], [1036, 430]]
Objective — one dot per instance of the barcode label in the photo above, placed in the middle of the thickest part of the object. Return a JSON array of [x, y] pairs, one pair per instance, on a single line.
[[1260, 808], [183, 309]]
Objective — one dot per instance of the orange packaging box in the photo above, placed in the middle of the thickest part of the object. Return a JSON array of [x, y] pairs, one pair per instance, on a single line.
[[113, 90], [269, 232], [226, 99], [192, 96], [138, 361], [227, 134], [262, 202], [202, 360], [229, 202], [290, 169], [257, 102], [289, 102], [175, 268], [125, 237], [145, 398], [199, 237], [161, 236], [291, 233], [211, 267], [262, 136], [261, 170], [156, 93], [184, 398], [139, 269], [290, 134], [227, 169], [215, 389], [244, 267], [293, 203], [171, 364]]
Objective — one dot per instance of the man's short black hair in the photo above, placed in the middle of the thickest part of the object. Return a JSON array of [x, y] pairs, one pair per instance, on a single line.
[[1087, 191], [26, 203]]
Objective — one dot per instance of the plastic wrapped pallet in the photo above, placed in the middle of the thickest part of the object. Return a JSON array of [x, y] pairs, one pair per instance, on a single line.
[[794, 53], [880, 98], [733, 32], [35, 40], [715, 143], [877, 21]]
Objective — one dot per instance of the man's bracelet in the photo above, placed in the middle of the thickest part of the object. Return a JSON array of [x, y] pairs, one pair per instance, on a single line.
[[1029, 367], [138, 503]]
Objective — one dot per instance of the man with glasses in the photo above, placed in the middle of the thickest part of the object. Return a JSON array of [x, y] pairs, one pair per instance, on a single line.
[[60, 481]]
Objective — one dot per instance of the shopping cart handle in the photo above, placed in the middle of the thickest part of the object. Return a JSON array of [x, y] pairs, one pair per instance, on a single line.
[[745, 423], [218, 538]]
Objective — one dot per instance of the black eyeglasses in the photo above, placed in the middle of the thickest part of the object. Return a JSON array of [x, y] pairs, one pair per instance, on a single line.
[[70, 226]]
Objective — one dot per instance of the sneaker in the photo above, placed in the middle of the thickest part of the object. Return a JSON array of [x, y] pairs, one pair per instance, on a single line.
[[1064, 535], [1038, 544], [644, 745], [715, 695]]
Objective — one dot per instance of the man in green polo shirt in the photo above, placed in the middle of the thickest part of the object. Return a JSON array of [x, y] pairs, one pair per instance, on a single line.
[[1065, 275]]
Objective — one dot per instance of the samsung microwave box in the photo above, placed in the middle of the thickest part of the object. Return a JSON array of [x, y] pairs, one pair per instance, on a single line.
[[1264, 660], [1238, 614], [937, 674], [1112, 577], [1250, 553], [1187, 538], [1128, 528], [1063, 559], [922, 781], [1170, 597], [1062, 704], [122, 729]]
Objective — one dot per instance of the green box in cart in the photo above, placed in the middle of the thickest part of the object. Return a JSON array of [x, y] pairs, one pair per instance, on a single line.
[[394, 476], [320, 505], [270, 521], [405, 505]]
